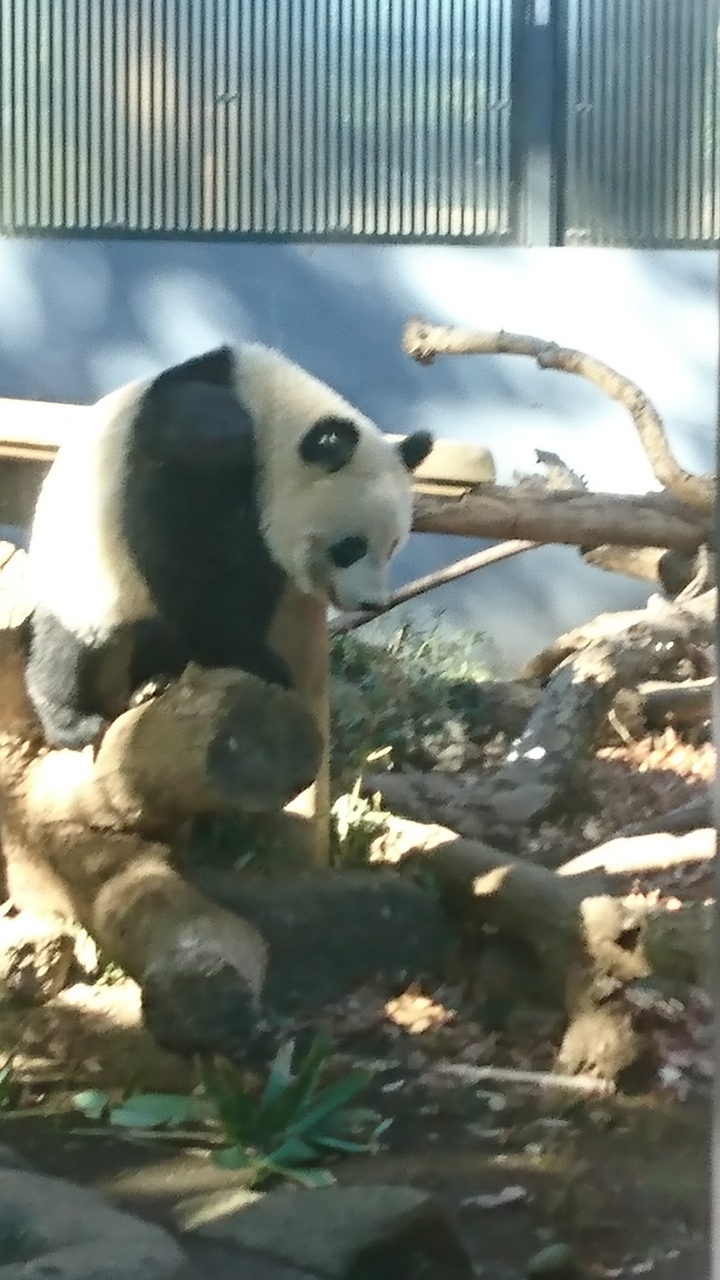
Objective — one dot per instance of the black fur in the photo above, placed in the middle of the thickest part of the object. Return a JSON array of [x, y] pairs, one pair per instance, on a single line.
[[194, 534], [330, 444], [59, 678], [191, 523], [415, 448]]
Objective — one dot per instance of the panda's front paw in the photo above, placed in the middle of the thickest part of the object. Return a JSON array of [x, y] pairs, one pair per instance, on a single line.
[[149, 690]]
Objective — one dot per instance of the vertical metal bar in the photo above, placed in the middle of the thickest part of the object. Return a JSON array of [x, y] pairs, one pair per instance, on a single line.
[[534, 96], [596, 120], [232, 105]]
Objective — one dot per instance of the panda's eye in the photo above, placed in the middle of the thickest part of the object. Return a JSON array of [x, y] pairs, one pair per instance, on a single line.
[[348, 551]]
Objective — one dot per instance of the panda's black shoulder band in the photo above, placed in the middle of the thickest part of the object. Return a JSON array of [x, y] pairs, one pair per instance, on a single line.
[[214, 367]]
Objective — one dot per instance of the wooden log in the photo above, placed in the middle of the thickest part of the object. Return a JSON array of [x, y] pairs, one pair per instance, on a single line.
[[607, 626], [216, 741], [575, 519], [78, 830], [300, 635], [634, 562], [455, 493], [572, 943], [552, 753], [561, 917]]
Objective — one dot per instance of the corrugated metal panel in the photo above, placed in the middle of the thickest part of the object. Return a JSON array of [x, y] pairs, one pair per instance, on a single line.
[[642, 123], [329, 118]]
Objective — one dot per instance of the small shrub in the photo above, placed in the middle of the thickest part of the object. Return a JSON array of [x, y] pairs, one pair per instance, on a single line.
[[297, 1123], [400, 693], [355, 821], [9, 1086]]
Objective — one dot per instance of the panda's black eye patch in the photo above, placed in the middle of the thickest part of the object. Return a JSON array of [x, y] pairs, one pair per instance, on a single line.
[[348, 551], [330, 444]]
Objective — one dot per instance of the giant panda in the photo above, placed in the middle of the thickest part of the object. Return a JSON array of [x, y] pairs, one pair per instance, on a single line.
[[179, 509]]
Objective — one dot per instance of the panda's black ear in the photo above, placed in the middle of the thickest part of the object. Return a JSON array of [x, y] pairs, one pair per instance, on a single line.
[[414, 449], [215, 367], [330, 444]]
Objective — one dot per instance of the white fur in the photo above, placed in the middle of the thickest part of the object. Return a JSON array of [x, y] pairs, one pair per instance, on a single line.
[[301, 505], [80, 568]]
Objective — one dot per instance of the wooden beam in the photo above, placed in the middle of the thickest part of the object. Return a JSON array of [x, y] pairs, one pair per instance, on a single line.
[[33, 430]]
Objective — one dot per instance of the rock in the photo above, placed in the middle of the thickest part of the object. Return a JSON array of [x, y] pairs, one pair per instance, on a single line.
[[50, 1227], [35, 958], [338, 1233]]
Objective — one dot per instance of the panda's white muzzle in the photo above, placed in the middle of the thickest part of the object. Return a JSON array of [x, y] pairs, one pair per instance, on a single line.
[[362, 586]]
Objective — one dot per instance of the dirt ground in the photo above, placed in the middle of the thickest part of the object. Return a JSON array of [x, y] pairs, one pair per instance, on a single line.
[[623, 1182], [625, 1187]]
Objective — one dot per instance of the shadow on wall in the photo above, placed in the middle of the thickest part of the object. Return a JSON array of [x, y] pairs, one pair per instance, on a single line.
[[79, 318]]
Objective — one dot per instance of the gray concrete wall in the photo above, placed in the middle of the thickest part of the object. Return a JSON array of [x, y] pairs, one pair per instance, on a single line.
[[78, 318]]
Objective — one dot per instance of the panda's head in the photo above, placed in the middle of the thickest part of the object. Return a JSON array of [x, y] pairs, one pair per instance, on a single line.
[[335, 494]]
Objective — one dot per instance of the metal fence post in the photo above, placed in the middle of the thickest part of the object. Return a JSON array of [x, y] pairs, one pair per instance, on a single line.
[[536, 66]]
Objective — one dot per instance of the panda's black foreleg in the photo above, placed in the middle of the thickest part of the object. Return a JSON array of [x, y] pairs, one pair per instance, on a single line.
[[223, 650], [222, 634], [156, 657], [57, 679]]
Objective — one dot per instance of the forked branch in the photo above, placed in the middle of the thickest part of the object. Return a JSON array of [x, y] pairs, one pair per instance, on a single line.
[[425, 341]]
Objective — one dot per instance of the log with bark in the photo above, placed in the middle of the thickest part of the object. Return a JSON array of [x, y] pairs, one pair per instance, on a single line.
[[575, 944], [675, 572], [607, 626], [545, 769], [82, 831], [572, 519], [550, 757], [97, 838]]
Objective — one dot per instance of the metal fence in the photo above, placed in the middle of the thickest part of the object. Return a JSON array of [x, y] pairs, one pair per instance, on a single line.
[[491, 121]]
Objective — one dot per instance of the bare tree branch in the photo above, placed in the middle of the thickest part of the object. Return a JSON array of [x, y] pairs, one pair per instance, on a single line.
[[694, 815], [607, 625], [633, 855], [425, 341], [451, 572], [634, 562], [573, 519]]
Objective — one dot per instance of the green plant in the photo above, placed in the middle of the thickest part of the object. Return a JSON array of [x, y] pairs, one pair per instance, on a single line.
[[110, 974], [298, 1121], [9, 1087], [355, 821], [402, 692]]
